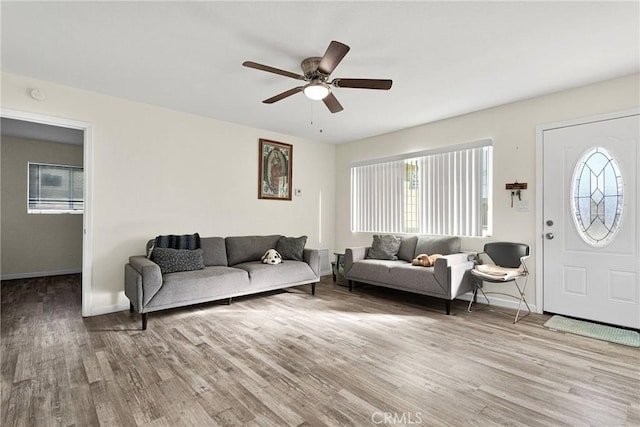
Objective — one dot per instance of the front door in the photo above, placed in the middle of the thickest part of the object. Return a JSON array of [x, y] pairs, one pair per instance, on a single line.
[[591, 261]]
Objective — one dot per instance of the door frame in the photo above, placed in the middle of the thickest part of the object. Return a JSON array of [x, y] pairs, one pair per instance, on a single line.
[[539, 241], [87, 216]]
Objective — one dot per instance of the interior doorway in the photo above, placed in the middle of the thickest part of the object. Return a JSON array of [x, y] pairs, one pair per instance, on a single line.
[[85, 128]]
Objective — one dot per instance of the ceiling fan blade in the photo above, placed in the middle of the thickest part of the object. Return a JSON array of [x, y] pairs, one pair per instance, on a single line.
[[283, 95], [363, 83], [332, 103], [332, 57], [273, 70]]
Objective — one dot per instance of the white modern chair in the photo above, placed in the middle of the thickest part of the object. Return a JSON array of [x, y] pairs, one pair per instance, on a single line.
[[507, 265]]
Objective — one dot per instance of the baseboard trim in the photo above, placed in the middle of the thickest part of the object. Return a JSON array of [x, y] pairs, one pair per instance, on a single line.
[[498, 302], [107, 309], [14, 276]]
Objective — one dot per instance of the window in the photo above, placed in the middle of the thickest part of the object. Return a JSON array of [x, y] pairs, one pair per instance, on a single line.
[[55, 189], [597, 197], [442, 191]]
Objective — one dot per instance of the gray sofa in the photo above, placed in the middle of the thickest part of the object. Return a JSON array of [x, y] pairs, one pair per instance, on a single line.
[[232, 268], [449, 278]]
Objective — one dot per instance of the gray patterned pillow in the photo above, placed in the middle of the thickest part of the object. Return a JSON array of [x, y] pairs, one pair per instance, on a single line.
[[174, 260], [291, 247], [384, 246]]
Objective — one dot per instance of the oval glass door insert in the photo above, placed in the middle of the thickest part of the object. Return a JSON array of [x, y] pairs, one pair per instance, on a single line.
[[597, 197]]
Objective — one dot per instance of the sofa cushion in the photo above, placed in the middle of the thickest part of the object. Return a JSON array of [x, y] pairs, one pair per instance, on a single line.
[[372, 270], [249, 248], [291, 247], [384, 246], [214, 251], [208, 284], [407, 249], [173, 260], [265, 276], [444, 245]]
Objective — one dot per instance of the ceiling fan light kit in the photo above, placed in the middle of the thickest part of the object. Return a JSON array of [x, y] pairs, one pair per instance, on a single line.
[[316, 73], [316, 90]]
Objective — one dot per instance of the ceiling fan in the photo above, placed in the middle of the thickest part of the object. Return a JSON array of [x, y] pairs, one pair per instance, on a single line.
[[316, 73]]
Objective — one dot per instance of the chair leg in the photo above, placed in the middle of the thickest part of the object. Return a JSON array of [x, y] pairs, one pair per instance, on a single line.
[[144, 321], [448, 306], [475, 297], [313, 289], [350, 285], [131, 307], [522, 300]]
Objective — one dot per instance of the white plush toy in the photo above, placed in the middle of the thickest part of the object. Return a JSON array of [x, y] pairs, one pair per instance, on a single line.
[[271, 257]]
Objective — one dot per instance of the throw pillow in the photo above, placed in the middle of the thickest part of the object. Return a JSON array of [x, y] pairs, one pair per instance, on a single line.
[[185, 241], [175, 260], [291, 247], [384, 246]]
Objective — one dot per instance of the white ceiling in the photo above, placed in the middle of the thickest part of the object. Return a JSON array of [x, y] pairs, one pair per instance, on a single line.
[[445, 58], [40, 132]]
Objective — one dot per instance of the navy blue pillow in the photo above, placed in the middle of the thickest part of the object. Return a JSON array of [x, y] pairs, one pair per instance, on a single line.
[[185, 241]]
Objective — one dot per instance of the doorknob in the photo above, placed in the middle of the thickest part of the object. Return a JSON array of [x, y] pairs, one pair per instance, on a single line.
[[549, 236]]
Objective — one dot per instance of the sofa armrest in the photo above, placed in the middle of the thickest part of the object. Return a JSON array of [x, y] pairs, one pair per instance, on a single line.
[[143, 279], [352, 255], [312, 257], [453, 271]]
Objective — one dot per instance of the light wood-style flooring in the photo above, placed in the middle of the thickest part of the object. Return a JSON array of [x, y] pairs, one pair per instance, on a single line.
[[367, 358]]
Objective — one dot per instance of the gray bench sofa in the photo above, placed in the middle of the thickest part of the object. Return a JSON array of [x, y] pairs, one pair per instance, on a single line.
[[449, 278], [232, 268]]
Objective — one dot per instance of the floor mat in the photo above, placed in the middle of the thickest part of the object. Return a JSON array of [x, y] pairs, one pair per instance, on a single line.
[[594, 330]]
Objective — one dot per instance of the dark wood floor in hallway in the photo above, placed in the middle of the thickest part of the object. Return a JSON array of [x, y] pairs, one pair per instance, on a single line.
[[286, 358]]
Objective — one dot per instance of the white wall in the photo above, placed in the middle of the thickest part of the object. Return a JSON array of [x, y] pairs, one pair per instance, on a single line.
[[36, 244], [162, 171], [513, 130], [158, 171]]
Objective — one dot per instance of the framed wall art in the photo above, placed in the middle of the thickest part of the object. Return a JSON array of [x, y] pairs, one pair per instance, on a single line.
[[276, 165]]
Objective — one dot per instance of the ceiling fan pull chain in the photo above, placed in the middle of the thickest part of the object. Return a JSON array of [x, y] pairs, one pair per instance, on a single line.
[[311, 104]]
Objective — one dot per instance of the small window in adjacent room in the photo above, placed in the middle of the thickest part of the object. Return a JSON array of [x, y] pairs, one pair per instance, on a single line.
[[55, 189]]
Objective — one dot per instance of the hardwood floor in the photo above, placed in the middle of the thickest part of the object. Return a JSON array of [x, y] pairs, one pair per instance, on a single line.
[[371, 357]]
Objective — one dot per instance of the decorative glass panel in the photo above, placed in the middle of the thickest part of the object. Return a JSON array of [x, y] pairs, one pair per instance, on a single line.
[[597, 197]]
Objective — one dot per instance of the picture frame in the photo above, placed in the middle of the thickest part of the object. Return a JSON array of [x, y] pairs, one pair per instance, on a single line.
[[275, 161]]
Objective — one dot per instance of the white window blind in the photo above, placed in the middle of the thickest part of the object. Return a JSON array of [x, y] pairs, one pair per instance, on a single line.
[[444, 191], [55, 189], [379, 195]]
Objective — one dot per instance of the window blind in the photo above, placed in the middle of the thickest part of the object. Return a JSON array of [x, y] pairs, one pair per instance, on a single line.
[[55, 189], [431, 192], [377, 194]]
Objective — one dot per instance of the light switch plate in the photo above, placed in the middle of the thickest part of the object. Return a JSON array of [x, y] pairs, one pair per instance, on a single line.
[[522, 205]]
